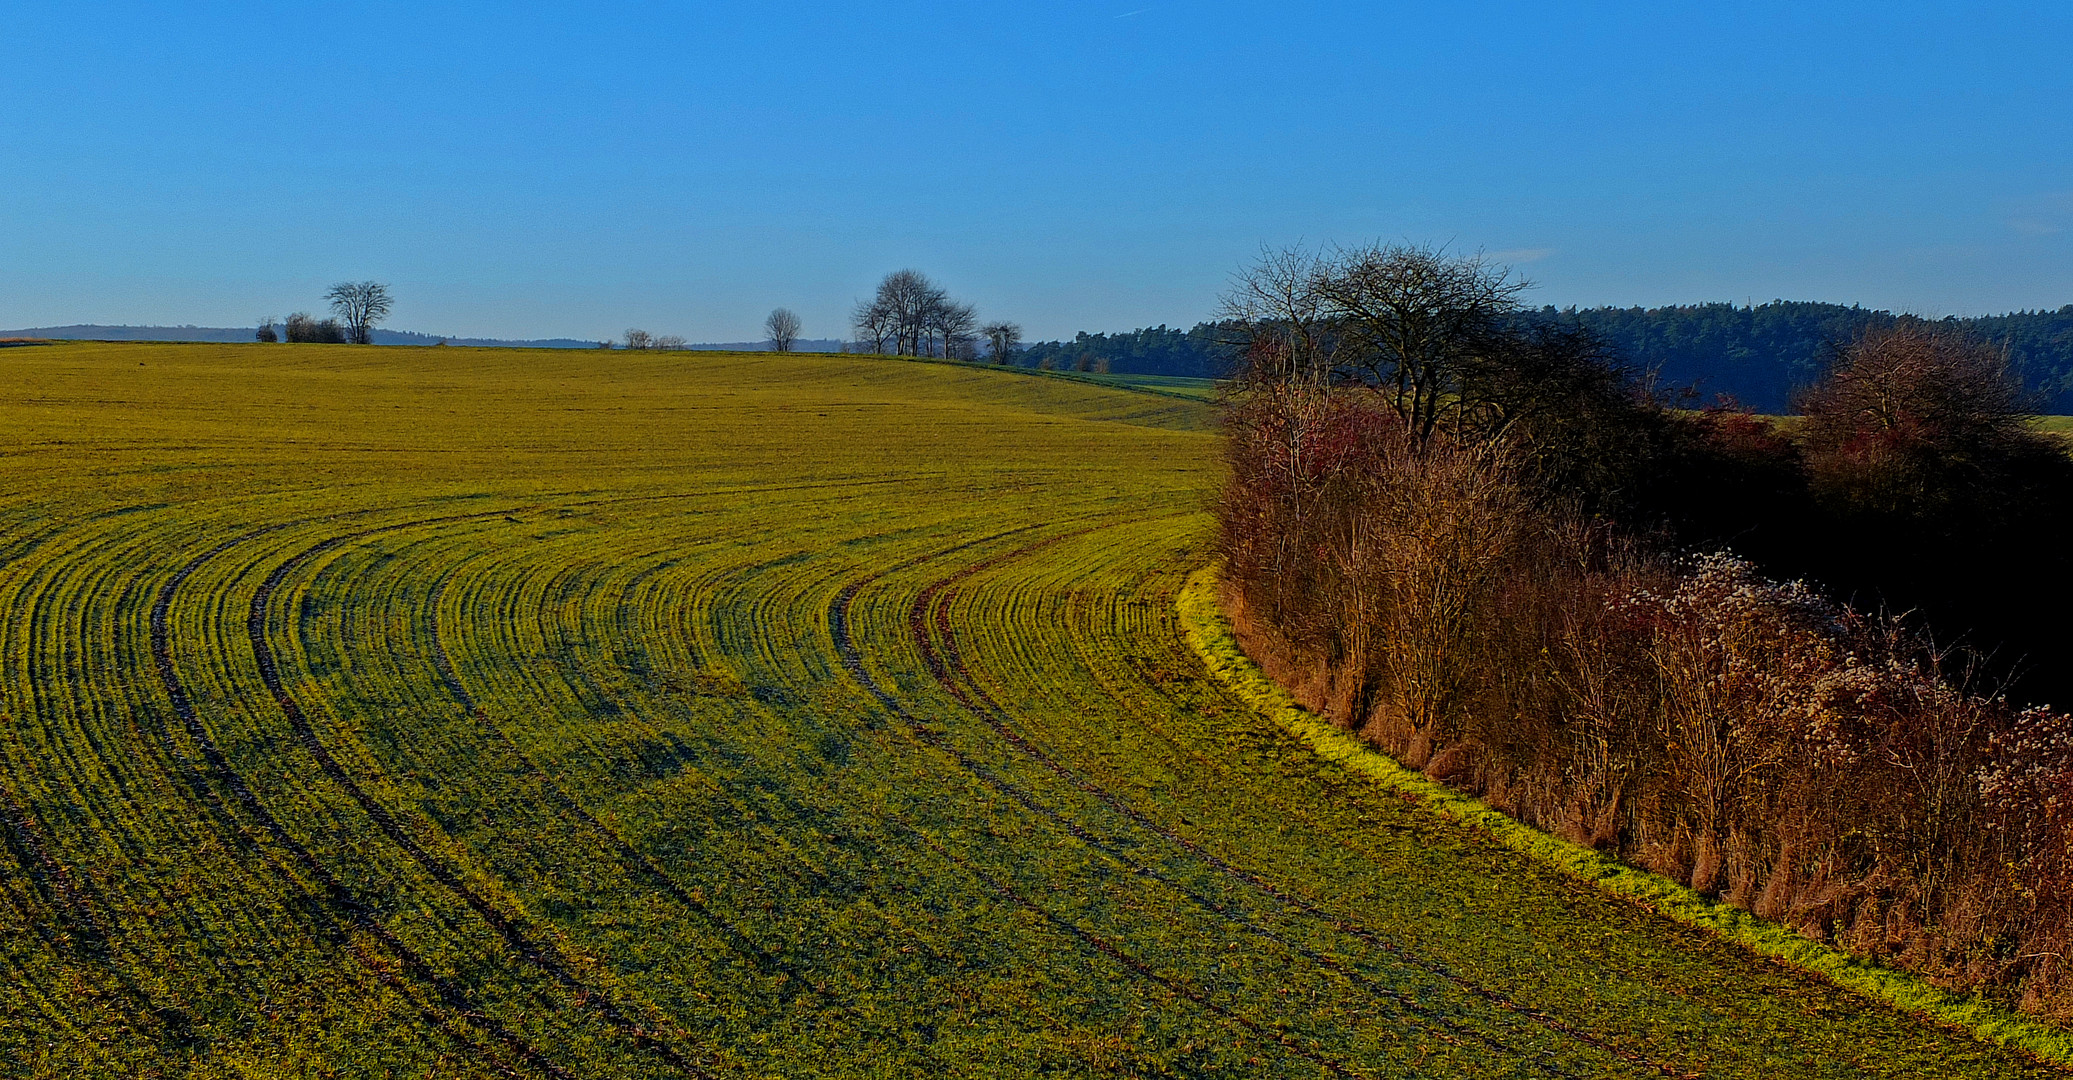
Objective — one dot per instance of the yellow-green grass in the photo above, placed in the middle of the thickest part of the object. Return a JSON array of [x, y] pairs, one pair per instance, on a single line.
[[1210, 633], [597, 714], [1199, 389], [1169, 385]]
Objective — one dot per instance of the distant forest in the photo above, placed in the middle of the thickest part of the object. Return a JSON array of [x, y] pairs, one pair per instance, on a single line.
[[1755, 356], [1201, 353]]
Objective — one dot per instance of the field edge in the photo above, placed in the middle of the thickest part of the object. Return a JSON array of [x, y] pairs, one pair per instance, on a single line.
[[1210, 636]]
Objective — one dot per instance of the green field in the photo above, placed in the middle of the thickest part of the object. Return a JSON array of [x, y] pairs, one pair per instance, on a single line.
[[1199, 389], [442, 712]]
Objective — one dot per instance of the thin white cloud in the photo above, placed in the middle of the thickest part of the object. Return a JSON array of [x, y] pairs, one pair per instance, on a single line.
[[2044, 215], [1127, 14], [1521, 255]]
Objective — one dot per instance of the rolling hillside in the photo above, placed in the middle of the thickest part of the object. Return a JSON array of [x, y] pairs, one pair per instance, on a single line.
[[426, 712]]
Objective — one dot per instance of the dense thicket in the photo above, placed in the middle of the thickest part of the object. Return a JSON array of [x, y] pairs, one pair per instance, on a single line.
[[303, 327], [1914, 484], [1470, 538]]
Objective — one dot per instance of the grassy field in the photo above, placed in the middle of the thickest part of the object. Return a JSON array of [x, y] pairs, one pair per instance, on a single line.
[[1199, 389], [446, 712]]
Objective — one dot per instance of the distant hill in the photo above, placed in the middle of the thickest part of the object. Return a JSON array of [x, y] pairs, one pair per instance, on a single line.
[[381, 337], [88, 332]]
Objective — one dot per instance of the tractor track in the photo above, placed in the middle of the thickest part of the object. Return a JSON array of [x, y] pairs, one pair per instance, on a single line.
[[630, 856], [333, 897], [541, 956]]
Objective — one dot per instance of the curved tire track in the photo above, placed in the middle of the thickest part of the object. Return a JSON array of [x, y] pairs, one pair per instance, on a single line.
[[541, 956], [334, 898]]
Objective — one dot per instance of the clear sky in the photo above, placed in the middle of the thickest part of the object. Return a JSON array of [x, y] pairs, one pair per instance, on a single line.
[[550, 169]]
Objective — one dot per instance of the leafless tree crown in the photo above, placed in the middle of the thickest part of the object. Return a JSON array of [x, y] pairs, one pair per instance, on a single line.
[[1920, 381], [1003, 340], [1412, 321], [359, 306], [641, 339], [952, 324], [783, 328], [913, 316]]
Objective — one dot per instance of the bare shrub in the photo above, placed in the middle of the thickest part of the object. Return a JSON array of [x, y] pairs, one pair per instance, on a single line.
[[302, 327], [1807, 761], [1911, 418]]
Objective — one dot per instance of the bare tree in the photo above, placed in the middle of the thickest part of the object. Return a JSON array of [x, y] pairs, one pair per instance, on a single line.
[[1425, 328], [669, 341], [1921, 380], [907, 300], [873, 322], [1417, 321], [916, 317], [1003, 340], [1916, 420], [639, 339], [360, 305], [783, 327], [266, 331], [1280, 318], [953, 323]]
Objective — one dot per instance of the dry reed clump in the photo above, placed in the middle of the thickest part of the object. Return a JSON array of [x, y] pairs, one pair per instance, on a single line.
[[1787, 754]]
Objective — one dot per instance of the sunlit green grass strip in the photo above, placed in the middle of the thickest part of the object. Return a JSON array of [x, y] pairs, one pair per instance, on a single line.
[[1209, 633]]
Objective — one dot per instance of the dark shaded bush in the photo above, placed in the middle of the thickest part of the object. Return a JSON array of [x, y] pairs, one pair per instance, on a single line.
[[304, 328]]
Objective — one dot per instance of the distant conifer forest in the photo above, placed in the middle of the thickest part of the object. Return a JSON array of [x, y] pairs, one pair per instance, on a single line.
[[1755, 356]]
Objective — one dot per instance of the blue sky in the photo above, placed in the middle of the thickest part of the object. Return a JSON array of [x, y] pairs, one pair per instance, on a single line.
[[538, 169]]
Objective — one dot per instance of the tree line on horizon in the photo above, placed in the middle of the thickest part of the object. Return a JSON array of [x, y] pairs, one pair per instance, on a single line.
[[1756, 356], [1752, 356]]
